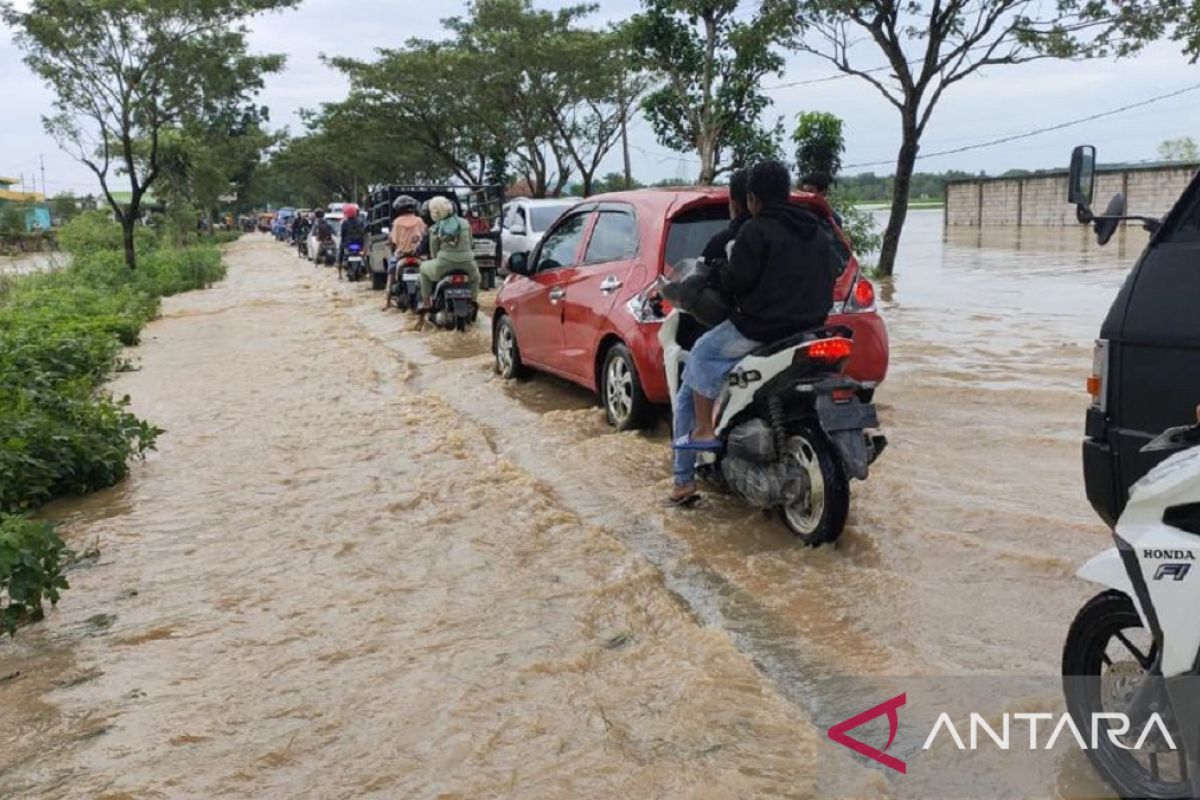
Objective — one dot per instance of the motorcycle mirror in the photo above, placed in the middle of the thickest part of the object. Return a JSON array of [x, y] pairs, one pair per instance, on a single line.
[[1177, 438], [1105, 228], [1081, 181], [385, 230]]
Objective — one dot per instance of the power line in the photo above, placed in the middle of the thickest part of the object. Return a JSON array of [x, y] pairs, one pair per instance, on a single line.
[[1038, 131]]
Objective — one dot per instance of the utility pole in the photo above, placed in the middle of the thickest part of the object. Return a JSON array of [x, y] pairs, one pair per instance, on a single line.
[[624, 130], [42, 159]]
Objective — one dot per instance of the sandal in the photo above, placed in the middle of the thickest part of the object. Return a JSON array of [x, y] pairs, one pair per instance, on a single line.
[[686, 442]]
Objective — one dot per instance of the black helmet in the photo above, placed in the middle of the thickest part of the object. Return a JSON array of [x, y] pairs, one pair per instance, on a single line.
[[404, 202], [424, 211]]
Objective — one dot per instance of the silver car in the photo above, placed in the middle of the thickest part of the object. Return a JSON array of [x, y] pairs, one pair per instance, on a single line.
[[526, 219]]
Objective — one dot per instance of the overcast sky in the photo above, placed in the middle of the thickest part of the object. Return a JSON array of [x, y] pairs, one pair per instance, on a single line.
[[1003, 101]]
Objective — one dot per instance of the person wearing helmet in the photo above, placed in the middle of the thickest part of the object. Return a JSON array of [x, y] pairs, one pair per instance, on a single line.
[[351, 231], [408, 231], [450, 248]]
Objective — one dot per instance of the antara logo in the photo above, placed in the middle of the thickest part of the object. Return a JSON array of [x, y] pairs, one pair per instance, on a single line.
[[838, 732], [1173, 554]]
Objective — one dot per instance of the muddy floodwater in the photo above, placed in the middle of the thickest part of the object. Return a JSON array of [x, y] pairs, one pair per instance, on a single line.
[[360, 565]]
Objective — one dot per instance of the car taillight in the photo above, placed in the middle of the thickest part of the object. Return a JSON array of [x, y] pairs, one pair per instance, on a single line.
[[828, 351], [458, 280], [862, 296], [1097, 382]]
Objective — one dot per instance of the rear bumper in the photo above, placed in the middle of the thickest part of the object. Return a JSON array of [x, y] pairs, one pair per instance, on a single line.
[[647, 352]]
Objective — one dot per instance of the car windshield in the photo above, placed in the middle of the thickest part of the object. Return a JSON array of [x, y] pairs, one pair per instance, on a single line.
[[690, 231], [542, 217]]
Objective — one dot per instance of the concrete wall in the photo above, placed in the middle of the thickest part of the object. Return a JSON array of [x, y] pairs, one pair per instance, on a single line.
[[1042, 199]]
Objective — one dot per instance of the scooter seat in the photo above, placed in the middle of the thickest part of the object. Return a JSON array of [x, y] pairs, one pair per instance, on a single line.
[[778, 346]]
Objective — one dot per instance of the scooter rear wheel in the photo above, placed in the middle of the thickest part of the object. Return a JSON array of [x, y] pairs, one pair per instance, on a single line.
[[1105, 658], [820, 516]]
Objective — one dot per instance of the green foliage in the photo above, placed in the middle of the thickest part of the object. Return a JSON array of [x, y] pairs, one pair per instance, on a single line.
[[1181, 149], [94, 231], [126, 72], [12, 218], [31, 564], [61, 332], [709, 61], [819, 143], [858, 224]]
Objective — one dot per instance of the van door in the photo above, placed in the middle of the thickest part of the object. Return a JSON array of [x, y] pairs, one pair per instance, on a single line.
[[610, 268], [538, 316], [1156, 346]]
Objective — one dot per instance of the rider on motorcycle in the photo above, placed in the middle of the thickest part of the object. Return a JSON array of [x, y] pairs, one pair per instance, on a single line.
[[408, 229], [450, 248], [351, 231], [774, 295]]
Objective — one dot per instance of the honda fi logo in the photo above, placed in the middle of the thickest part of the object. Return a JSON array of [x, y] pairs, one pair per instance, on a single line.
[[1174, 571], [838, 733]]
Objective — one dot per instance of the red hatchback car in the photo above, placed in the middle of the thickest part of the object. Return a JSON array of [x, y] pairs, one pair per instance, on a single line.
[[574, 306]]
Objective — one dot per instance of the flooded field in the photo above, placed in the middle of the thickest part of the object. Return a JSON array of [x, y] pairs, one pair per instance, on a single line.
[[360, 565]]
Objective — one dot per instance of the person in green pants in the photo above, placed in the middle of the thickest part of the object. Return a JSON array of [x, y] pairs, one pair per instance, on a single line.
[[449, 248]]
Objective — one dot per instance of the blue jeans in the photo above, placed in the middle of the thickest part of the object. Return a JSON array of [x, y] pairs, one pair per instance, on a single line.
[[708, 365]]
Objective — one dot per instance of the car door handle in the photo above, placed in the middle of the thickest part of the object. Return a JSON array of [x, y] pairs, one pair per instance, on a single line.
[[557, 294], [610, 284]]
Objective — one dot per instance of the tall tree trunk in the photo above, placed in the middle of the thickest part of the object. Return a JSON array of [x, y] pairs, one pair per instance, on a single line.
[[905, 163], [708, 167], [127, 223]]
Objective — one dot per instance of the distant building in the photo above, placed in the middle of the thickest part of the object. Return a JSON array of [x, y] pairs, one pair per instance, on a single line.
[[37, 213]]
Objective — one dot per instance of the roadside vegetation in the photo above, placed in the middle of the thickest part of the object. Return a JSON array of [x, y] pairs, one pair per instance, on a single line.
[[64, 433]]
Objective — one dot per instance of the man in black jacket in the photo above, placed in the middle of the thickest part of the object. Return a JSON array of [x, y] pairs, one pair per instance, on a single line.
[[780, 277]]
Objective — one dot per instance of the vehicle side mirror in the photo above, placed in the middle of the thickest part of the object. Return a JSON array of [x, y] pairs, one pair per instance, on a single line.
[[518, 263], [517, 229], [1107, 224], [1081, 183]]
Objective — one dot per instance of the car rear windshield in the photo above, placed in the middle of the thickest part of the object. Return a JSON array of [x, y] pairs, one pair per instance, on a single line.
[[542, 217], [690, 231]]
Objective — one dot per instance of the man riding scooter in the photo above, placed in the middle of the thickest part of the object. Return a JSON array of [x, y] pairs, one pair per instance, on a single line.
[[773, 295]]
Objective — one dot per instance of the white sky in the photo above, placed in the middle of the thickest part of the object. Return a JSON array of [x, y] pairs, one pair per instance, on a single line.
[[1004, 101]]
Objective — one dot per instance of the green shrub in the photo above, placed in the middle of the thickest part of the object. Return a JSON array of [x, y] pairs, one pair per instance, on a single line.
[[96, 230], [31, 562], [60, 338]]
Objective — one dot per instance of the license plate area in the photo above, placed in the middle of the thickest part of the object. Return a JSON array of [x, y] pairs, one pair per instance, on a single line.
[[459, 293]]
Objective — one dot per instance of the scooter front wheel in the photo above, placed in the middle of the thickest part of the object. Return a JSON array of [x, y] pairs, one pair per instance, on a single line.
[[819, 516], [1105, 660]]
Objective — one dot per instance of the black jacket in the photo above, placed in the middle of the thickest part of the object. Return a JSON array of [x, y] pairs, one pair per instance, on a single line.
[[781, 273]]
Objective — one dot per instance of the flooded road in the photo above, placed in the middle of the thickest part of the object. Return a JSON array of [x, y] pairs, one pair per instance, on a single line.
[[360, 565]]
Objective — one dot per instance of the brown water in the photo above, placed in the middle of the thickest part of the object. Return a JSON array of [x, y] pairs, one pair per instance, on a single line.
[[361, 565]]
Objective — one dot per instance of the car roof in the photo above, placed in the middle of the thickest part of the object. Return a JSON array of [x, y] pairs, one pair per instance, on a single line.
[[547, 201]]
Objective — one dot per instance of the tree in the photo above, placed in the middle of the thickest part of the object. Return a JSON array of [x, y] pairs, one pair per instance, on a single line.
[[1181, 149], [126, 70], [709, 65], [929, 47], [819, 147], [64, 206], [819, 143]]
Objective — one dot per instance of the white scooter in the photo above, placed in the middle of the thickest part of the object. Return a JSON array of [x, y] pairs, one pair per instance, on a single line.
[[1134, 649], [793, 428]]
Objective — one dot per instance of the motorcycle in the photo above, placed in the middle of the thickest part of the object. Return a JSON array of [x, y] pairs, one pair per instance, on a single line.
[[326, 252], [355, 267], [302, 245], [406, 286], [452, 306], [1134, 648], [793, 428]]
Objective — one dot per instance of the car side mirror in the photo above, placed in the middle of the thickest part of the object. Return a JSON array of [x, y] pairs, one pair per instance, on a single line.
[[518, 264], [517, 229], [1081, 181]]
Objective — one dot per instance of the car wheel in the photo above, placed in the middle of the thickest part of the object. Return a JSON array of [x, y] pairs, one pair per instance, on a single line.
[[508, 355], [625, 403]]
